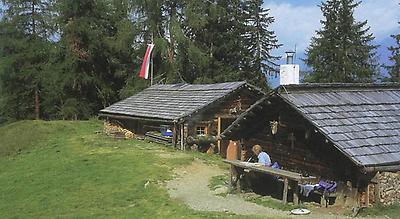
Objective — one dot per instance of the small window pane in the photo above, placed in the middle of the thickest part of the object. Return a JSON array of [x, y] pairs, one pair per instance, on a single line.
[[201, 130]]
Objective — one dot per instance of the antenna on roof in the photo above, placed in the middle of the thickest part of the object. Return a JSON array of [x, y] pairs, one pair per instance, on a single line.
[[295, 53]]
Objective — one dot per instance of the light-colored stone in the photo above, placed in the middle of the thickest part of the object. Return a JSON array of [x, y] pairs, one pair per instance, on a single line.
[[221, 190]]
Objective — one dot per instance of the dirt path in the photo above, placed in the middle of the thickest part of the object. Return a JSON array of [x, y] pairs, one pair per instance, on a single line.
[[191, 187]]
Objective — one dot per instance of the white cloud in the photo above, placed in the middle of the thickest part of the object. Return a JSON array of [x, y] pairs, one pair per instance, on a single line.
[[382, 16], [295, 25]]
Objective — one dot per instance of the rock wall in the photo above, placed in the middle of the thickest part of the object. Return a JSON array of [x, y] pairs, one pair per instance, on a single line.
[[389, 187]]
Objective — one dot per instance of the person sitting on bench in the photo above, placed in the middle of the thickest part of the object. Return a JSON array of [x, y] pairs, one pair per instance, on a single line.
[[263, 157]]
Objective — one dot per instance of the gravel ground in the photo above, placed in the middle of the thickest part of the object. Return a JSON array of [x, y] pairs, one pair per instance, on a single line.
[[191, 187]]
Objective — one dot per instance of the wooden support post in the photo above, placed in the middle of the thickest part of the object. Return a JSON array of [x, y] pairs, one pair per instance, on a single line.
[[185, 135], [367, 198], [235, 181], [174, 135], [219, 133], [233, 176], [182, 136], [377, 194], [295, 187], [285, 190]]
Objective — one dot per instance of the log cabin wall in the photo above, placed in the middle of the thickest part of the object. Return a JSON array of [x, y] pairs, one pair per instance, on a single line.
[[297, 146], [228, 109]]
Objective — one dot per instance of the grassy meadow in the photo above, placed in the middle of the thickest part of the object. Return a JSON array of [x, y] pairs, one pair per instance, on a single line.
[[70, 170]]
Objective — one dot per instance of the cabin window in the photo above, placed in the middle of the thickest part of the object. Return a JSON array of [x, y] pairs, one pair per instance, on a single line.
[[201, 130]]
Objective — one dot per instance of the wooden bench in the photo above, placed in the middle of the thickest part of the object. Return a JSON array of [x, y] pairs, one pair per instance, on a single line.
[[291, 179], [325, 197]]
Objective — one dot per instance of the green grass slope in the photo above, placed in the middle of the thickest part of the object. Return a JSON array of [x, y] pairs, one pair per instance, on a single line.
[[66, 169]]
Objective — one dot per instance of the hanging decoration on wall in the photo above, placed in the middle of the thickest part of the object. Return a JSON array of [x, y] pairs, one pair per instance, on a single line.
[[291, 139], [307, 134], [274, 127], [237, 108]]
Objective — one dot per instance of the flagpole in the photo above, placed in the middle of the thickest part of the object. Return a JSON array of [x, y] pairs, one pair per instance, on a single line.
[[151, 62], [151, 72]]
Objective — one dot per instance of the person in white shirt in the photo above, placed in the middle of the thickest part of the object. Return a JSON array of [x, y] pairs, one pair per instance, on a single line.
[[261, 155]]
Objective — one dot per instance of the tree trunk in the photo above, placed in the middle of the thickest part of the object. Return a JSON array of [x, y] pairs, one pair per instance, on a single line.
[[172, 21], [37, 103]]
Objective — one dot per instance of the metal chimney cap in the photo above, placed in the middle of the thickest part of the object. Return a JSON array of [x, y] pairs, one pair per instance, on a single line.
[[290, 57], [290, 53]]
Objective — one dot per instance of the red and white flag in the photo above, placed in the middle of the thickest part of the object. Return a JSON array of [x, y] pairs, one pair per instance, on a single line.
[[144, 70]]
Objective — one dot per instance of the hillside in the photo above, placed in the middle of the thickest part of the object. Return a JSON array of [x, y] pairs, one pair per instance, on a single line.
[[70, 169], [64, 169]]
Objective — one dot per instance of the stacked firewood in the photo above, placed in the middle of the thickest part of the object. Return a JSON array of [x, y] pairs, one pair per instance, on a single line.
[[117, 131], [389, 188]]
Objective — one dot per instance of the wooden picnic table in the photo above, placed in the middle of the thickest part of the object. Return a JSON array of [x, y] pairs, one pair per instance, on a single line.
[[290, 178]]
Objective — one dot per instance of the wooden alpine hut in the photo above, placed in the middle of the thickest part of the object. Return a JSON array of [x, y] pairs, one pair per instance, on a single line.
[[349, 133], [189, 111]]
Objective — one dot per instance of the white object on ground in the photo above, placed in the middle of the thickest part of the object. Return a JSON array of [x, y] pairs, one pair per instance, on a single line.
[[300, 211]]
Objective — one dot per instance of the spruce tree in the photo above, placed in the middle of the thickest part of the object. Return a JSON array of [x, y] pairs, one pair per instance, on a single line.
[[260, 41], [342, 51], [394, 70], [168, 24], [94, 55], [26, 28]]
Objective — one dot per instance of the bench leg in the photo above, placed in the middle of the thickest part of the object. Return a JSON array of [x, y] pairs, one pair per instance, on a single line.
[[295, 187], [323, 201], [234, 176], [285, 190], [236, 181]]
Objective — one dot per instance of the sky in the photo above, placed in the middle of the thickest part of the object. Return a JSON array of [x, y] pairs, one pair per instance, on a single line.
[[297, 20]]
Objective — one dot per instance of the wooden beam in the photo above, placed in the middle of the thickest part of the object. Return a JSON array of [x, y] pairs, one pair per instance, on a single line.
[[134, 118], [174, 135], [182, 137], [218, 134], [367, 198], [235, 178], [295, 187], [377, 194], [271, 171], [185, 134], [285, 190]]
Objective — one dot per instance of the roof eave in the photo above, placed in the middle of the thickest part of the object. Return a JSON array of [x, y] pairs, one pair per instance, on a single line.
[[383, 168], [131, 117]]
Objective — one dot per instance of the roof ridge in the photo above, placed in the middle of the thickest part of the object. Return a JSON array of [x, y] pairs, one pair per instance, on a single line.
[[197, 87], [327, 87]]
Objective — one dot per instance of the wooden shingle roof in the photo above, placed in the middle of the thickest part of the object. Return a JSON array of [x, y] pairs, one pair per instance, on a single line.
[[361, 120], [173, 101]]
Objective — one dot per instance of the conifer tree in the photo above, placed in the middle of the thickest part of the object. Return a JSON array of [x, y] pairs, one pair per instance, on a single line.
[[394, 70], [342, 51], [168, 23], [208, 41], [260, 42], [25, 31], [94, 54]]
